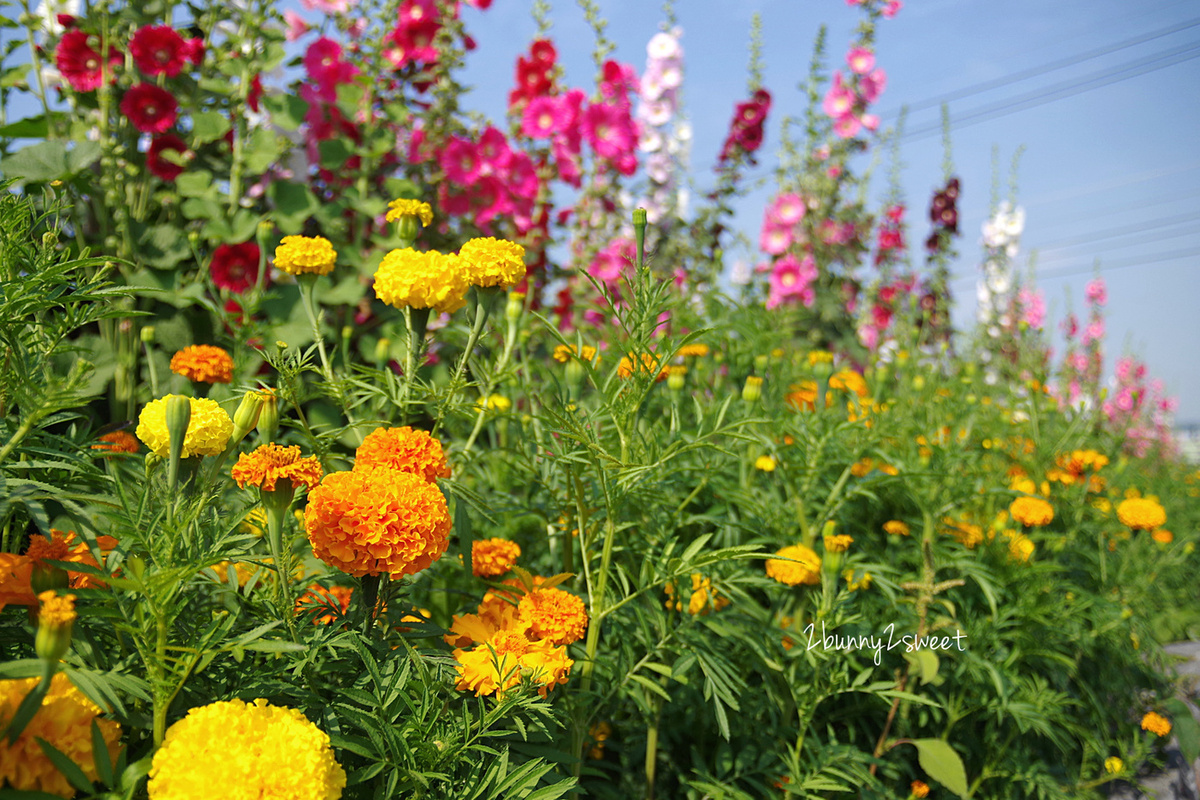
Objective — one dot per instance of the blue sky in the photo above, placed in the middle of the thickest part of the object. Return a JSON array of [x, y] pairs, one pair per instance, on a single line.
[[1110, 174]]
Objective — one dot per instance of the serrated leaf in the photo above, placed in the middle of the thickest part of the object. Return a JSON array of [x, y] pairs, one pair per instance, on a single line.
[[44, 161]]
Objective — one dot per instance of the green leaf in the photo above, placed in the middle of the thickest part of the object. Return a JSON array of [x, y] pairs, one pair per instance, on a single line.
[[44, 161], [65, 765], [276, 646], [941, 763], [1186, 729], [21, 668], [196, 183], [104, 766], [924, 663], [294, 204], [29, 128], [287, 111], [334, 153], [261, 150], [208, 126], [83, 155], [161, 246]]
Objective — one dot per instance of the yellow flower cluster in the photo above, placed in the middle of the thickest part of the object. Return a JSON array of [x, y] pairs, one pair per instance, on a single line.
[[1156, 724], [838, 543], [499, 665], [258, 750], [703, 599], [64, 721], [1141, 513], [301, 255], [414, 279], [649, 365], [765, 464], [1032, 512], [207, 434], [967, 533], [803, 568], [856, 580], [564, 352], [1113, 765], [693, 350], [895, 527], [493, 262], [410, 208], [203, 363], [491, 558]]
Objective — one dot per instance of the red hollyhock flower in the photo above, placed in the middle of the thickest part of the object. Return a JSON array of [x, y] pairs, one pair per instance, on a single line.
[[193, 50], [158, 50], [81, 65], [149, 108], [235, 266], [167, 170]]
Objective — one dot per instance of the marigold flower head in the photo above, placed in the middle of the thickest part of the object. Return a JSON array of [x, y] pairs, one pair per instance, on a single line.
[[856, 580], [303, 255], [1162, 536], [499, 665], [1156, 724], [816, 357], [493, 262], [271, 463], [804, 568], [564, 352], [553, 615], [1020, 547], [117, 442], [203, 363], [1141, 513], [405, 449], [1031, 512], [919, 789], [491, 558], [57, 611], [65, 721], [263, 751], [377, 521], [802, 396], [408, 278], [694, 350], [850, 381], [896, 528], [968, 534], [838, 543], [765, 463], [1113, 765], [207, 433], [410, 208], [649, 365]]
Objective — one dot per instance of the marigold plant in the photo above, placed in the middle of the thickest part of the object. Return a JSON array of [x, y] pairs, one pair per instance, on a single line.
[[1141, 513], [207, 434], [404, 449], [203, 363], [804, 568]]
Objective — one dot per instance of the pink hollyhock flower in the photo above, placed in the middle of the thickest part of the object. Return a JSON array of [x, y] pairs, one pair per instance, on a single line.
[[159, 166], [545, 116], [323, 63], [846, 127], [839, 100], [872, 85], [608, 129], [413, 44], [892, 7], [414, 12], [149, 108], [787, 209], [460, 160], [1070, 326], [861, 60], [1097, 291], [1125, 367], [158, 50], [1033, 308], [1077, 361], [328, 6], [868, 336], [80, 64], [774, 239], [494, 152], [296, 25], [568, 163], [1094, 331], [870, 122], [618, 80], [792, 280], [610, 262]]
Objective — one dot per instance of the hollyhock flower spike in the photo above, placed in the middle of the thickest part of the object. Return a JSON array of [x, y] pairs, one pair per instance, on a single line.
[[81, 65]]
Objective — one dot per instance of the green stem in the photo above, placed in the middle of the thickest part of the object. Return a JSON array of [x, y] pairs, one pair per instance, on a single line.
[[481, 315], [307, 286], [276, 507]]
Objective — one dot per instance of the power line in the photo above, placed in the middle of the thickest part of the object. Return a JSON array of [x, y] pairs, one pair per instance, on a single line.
[[1109, 233], [1062, 90], [1032, 72], [1104, 266]]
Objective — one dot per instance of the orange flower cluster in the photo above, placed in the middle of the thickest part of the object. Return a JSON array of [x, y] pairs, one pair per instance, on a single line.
[[203, 363], [377, 521], [797, 564], [1156, 724], [16, 571], [1141, 513], [405, 450], [117, 442], [271, 463], [491, 558], [967, 533], [1032, 512]]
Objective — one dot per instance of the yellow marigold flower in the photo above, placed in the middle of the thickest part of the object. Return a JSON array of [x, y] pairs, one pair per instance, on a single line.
[[863, 580], [491, 558], [207, 433], [1156, 724], [262, 751], [564, 352], [703, 599], [65, 721], [919, 789], [422, 280], [271, 463], [1141, 513], [896, 528], [255, 521], [553, 615], [499, 665], [118, 442], [496, 402], [862, 467], [300, 255], [410, 208], [598, 734], [649, 364], [850, 381], [57, 611], [203, 363], [318, 598], [493, 262], [693, 350], [1113, 765], [1162, 536], [405, 449], [377, 521], [765, 463], [495, 614], [838, 543], [968, 534], [804, 568], [1020, 547], [1031, 512]]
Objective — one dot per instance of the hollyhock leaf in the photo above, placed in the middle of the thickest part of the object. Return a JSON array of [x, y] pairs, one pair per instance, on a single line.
[[262, 148], [293, 205], [161, 246], [44, 161], [82, 156], [334, 152], [208, 126], [29, 128], [243, 226], [287, 111], [198, 183]]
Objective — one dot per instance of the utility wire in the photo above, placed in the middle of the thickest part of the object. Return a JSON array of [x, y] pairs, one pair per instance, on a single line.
[[1104, 266], [1109, 233]]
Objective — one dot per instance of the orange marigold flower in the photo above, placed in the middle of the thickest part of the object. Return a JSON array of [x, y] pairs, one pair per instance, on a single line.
[[803, 396], [299, 255], [804, 568], [919, 789], [649, 364], [1156, 724], [499, 665], [553, 615], [1031, 512], [1162, 536], [850, 381], [491, 558], [896, 528], [693, 350], [1141, 513], [203, 363], [405, 449], [16, 571], [64, 720], [377, 521], [318, 598], [271, 463], [968, 534], [838, 543], [117, 442]]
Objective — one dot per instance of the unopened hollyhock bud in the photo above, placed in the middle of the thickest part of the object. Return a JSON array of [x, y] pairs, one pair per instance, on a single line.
[[246, 416], [752, 391]]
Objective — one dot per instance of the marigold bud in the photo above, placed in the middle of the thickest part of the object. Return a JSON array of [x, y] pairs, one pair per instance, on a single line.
[[56, 618], [752, 391], [268, 415], [246, 416], [382, 349], [147, 334], [515, 307], [178, 417], [675, 378]]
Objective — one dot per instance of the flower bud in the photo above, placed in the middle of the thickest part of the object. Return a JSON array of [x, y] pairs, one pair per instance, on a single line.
[[56, 618], [574, 373], [148, 334], [268, 415], [382, 348], [408, 227], [516, 305], [752, 391], [675, 377], [760, 362], [246, 416], [179, 416]]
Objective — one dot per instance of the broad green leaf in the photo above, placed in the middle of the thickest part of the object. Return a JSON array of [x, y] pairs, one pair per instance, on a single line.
[[287, 111], [44, 161], [294, 204], [208, 126], [941, 763]]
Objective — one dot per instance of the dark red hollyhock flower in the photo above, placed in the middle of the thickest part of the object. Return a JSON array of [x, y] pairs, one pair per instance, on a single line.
[[542, 51], [167, 170], [158, 50], [235, 266], [66, 20], [149, 108], [256, 92], [80, 64], [193, 50]]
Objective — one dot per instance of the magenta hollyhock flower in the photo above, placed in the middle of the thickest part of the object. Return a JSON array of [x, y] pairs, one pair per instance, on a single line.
[[1094, 331], [414, 43], [792, 280], [618, 80], [328, 6], [1097, 291], [158, 50], [413, 12], [861, 60], [81, 65], [872, 85], [774, 239], [787, 209], [892, 7], [839, 100], [494, 152], [323, 63], [159, 166], [149, 108], [612, 261], [608, 128], [296, 25], [460, 160], [544, 117], [567, 163]]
